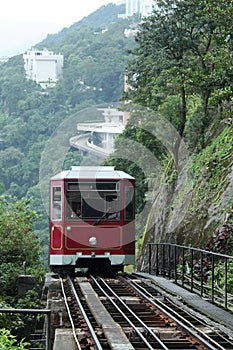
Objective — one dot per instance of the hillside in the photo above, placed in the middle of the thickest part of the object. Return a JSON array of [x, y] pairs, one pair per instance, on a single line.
[[94, 66], [195, 207]]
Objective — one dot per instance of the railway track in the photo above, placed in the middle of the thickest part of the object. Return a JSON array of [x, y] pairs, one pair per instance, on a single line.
[[129, 313]]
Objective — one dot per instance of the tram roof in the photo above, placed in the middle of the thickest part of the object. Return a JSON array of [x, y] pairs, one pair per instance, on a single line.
[[92, 172]]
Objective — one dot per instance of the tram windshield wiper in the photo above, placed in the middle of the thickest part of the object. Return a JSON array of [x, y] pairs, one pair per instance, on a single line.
[[104, 216]]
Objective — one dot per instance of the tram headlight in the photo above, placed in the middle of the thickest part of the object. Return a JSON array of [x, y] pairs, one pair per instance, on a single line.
[[93, 241]]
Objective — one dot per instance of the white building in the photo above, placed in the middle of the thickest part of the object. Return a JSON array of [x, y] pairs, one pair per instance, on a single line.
[[142, 7], [132, 7], [44, 67]]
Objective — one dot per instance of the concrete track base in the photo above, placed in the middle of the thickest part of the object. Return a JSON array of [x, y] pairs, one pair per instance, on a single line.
[[64, 339]]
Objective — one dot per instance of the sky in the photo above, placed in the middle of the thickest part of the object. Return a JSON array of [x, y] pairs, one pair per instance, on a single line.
[[24, 23]]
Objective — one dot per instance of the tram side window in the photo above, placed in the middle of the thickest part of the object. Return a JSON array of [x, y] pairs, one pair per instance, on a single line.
[[129, 203], [56, 203]]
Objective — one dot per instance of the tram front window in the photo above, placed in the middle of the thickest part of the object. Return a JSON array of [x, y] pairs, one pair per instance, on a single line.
[[105, 207], [93, 200]]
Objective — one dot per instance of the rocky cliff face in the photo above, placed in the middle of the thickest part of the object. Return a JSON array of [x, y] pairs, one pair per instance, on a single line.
[[189, 209]]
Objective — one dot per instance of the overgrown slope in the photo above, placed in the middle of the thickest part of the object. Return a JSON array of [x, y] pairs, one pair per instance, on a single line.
[[191, 208]]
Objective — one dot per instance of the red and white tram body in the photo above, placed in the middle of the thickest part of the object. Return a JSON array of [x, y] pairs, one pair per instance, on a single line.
[[92, 219]]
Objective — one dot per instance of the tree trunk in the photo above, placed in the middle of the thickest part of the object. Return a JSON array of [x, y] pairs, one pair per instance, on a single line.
[[181, 128]]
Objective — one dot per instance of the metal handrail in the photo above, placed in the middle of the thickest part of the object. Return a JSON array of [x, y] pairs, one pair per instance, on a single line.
[[173, 260], [46, 312]]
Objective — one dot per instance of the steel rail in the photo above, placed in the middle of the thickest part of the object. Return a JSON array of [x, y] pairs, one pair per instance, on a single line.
[[132, 313], [91, 329], [69, 314], [197, 333]]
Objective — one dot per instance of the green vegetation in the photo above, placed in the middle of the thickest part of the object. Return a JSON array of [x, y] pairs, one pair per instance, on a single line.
[[211, 167], [9, 342], [18, 244], [191, 56]]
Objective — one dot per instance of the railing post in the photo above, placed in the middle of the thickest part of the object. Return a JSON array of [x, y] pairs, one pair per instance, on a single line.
[[191, 270], [48, 332], [149, 245], [169, 261], [202, 274], [226, 260], [175, 263], [212, 276], [157, 259], [183, 267], [24, 267], [163, 260]]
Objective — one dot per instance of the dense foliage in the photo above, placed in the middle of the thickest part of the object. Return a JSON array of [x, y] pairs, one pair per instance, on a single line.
[[184, 53], [9, 341], [18, 244]]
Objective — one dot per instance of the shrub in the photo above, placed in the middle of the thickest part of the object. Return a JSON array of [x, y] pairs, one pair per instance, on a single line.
[[9, 342]]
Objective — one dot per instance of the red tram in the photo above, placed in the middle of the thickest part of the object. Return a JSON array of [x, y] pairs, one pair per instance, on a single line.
[[92, 220]]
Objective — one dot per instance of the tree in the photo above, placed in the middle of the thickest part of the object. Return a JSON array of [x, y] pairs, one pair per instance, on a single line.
[[184, 48], [18, 244]]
